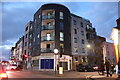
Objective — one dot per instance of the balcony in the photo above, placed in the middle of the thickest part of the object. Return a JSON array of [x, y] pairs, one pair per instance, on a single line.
[[45, 27], [45, 38], [47, 50], [44, 17]]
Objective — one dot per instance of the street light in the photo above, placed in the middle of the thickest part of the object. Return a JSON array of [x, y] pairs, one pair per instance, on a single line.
[[56, 52], [88, 46]]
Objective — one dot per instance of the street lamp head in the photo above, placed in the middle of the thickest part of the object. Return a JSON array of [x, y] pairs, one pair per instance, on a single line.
[[88, 46], [55, 51]]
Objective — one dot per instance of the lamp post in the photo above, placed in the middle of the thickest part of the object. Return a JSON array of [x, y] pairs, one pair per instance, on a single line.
[[55, 52]]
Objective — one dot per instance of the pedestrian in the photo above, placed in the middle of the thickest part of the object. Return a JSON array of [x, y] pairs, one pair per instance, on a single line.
[[102, 66], [119, 68], [108, 66], [112, 67]]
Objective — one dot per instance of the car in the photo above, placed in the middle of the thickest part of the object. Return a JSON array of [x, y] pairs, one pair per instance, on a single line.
[[84, 68], [95, 67], [3, 74], [13, 67]]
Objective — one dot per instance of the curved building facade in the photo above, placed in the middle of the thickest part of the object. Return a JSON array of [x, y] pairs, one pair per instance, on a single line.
[[52, 31]]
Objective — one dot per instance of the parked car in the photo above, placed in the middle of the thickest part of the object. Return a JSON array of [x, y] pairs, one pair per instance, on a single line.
[[3, 75], [84, 68], [95, 67], [13, 67]]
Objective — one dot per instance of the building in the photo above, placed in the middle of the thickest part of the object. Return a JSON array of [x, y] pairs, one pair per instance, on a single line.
[[115, 36], [98, 58], [78, 40], [54, 27], [109, 52], [28, 43], [52, 30], [17, 51]]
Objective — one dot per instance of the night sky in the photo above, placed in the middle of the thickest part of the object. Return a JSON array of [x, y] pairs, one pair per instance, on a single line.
[[15, 15]]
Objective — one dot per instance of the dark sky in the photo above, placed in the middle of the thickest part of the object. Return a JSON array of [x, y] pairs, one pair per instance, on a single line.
[[16, 15]]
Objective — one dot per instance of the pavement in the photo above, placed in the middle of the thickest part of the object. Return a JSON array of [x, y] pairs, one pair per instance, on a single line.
[[67, 74]]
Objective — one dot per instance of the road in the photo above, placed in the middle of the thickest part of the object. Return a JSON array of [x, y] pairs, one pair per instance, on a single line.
[[52, 75]]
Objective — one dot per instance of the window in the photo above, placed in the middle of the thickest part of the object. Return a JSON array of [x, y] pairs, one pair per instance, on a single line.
[[26, 35], [61, 47], [76, 50], [38, 36], [26, 28], [76, 58], [74, 22], [35, 20], [38, 16], [48, 36], [75, 31], [61, 15], [75, 40], [61, 26], [83, 50], [30, 35], [31, 27], [25, 43], [61, 36], [84, 59], [83, 42], [81, 24], [82, 33]]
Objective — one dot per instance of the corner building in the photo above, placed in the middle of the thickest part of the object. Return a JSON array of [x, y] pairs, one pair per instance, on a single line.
[[52, 30]]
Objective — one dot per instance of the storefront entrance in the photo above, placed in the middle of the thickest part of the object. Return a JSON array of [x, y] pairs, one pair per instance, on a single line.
[[47, 63]]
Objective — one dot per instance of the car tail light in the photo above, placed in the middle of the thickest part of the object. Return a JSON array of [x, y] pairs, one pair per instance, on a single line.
[[3, 75]]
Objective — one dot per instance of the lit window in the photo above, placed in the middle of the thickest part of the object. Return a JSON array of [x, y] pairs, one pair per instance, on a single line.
[[75, 40], [38, 16], [61, 15], [61, 36], [38, 36], [84, 59]]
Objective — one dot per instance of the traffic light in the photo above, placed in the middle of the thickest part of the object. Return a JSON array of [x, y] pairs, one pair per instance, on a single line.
[[25, 56]]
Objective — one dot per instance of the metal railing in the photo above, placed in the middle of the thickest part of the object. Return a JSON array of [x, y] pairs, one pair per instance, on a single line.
[[45, 27], [44, 17], [47, 50], [45, 38]]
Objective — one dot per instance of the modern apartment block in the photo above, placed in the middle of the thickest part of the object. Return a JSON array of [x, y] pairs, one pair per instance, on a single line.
[[52, 30], [54, 27], [78, 40], [109, 52]]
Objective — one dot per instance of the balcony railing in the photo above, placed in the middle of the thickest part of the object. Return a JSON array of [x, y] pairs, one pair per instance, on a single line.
[[47, 50], [48, 17], [44, 38], [47, 27]]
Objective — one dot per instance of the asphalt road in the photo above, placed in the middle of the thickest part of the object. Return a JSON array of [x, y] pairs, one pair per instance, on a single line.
[[34, 75]]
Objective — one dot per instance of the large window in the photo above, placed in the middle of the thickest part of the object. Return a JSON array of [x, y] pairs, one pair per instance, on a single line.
[[75, 40], [61, 36], [61, 15], [61, 26]]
